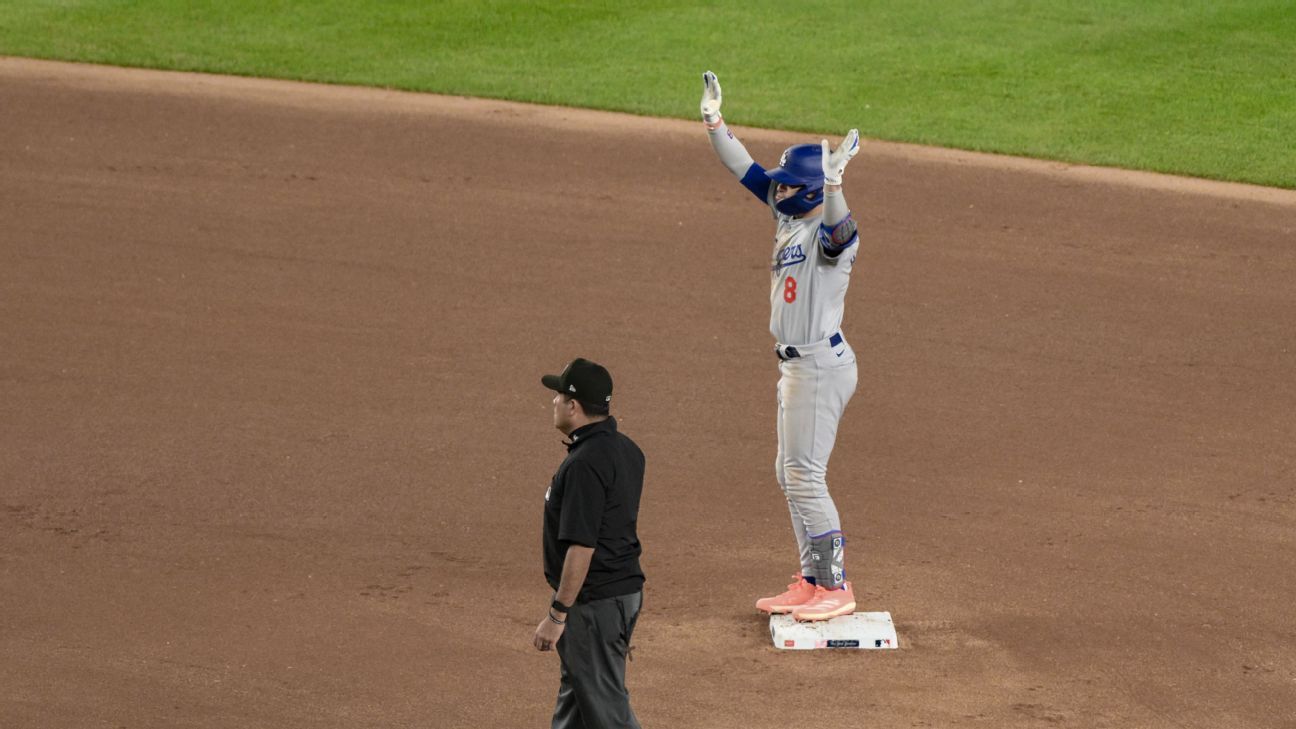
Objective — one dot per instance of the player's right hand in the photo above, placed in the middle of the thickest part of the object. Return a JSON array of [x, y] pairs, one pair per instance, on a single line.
[[710, 98]]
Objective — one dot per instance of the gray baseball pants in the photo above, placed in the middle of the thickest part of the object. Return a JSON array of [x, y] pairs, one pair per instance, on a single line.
[[593, 649]]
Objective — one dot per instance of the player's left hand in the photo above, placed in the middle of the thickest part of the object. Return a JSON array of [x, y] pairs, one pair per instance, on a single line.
[[547, 634], [834, 162]]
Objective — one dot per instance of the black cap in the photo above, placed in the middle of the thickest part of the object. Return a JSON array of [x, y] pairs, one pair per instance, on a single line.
[[583, 380]]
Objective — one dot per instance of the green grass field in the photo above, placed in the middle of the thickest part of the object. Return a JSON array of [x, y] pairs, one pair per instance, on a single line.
[[1205, 88]]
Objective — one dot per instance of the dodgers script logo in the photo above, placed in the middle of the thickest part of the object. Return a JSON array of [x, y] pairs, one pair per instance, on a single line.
[[788, 256]]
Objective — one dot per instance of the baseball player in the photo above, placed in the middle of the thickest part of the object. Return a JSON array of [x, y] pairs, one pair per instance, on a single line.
[[814, 250]]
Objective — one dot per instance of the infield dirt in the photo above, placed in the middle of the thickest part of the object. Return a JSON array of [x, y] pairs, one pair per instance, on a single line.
[[275, 447]]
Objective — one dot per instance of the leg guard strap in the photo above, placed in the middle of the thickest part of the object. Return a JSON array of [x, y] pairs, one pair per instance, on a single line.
[[828, 559]]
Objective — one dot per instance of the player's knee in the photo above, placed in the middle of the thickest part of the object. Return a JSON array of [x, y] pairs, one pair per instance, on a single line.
[[803, 471], [804, 483]]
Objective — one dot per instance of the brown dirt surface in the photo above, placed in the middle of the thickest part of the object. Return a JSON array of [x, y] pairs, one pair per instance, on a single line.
[[275, 446]]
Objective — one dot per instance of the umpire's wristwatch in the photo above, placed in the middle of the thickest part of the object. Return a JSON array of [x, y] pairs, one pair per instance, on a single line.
[[560, 607]]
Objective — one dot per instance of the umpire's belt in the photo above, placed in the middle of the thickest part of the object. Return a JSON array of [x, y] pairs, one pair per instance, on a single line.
[[790, 351]]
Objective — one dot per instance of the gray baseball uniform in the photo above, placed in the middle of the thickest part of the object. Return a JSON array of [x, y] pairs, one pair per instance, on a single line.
[[809, 275]]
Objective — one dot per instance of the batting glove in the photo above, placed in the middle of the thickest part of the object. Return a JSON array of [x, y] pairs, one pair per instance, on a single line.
[[710, 98], [834, 163]]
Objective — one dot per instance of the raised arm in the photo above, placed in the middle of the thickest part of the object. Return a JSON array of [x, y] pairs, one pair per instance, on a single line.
[[727, 147], [838, 229]]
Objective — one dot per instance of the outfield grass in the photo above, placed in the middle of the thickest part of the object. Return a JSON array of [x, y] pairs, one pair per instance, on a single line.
[[1198, 87]]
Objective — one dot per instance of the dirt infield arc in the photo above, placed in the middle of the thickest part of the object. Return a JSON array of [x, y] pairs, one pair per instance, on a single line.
[[274, 446]]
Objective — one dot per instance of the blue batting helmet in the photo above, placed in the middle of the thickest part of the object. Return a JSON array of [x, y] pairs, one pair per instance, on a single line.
[[801, 165]]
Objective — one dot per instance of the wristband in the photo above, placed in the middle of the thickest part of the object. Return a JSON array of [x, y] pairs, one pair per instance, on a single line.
[[560, 607], [554, 620]]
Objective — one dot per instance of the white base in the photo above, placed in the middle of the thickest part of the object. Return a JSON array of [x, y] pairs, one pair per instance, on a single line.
[[857, 630]]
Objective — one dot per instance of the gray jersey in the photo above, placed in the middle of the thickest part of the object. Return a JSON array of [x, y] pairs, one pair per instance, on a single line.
[[807, 287]]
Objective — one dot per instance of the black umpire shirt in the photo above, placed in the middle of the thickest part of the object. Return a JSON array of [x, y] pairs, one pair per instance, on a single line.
[[593, 501]]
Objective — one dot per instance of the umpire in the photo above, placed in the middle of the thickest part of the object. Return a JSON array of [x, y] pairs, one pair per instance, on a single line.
[[591, 553]]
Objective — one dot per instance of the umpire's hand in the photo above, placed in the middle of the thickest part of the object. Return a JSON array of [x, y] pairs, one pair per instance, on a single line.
[[547, 634]]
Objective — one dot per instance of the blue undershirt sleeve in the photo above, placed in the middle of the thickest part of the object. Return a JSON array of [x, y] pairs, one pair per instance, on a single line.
[[757, 182]]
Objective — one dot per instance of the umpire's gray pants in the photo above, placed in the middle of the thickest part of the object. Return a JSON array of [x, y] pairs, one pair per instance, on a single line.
[[593, 648]]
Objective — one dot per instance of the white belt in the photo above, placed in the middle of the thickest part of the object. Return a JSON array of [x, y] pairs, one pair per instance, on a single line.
[[793, 351]]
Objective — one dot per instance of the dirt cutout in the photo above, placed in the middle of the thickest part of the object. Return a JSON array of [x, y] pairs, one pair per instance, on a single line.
[[275, 446]]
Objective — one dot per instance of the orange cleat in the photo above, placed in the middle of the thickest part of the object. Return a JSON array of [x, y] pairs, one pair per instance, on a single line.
[[827, 604], [798, 593]]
